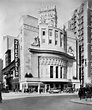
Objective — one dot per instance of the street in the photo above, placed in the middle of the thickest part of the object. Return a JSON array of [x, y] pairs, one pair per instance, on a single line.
[[44, 103]]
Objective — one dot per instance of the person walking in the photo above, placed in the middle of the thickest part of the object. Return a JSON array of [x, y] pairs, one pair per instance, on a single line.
[[0, 92]]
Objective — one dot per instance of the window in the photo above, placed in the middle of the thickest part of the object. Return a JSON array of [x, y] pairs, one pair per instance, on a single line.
[[21, 39], [50, 41], [56, 37], [60, 39], [21, 48], [91, 35], [43, 40], [91, 30], [51, 71], [91, 64], [50, 32], [43, 33], [56, 71], [60, 72], [50, 36], [90, 13]]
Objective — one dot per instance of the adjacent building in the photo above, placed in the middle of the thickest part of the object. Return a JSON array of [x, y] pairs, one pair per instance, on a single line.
[[81, 25]]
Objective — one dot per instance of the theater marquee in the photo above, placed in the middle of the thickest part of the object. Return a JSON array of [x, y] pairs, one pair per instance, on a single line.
[[16, 43]]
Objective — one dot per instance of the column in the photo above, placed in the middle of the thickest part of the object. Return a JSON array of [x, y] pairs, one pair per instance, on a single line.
[[54, 71], [38, 87], [58, 71], [45, 88], [63, 72], [63, 42]]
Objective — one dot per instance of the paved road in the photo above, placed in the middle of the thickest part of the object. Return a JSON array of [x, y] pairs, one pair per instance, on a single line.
[[44, 103]]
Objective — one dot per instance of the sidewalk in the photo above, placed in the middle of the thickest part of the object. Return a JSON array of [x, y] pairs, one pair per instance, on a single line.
[[13, 95], [82, 101]]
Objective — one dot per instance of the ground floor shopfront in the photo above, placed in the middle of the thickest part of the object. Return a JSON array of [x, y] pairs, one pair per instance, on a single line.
[[46, 85], [10, 82]]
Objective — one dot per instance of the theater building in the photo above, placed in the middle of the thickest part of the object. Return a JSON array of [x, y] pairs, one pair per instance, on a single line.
[[40, 57]]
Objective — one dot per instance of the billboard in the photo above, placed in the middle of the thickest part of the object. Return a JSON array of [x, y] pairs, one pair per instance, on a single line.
[[16, 43]]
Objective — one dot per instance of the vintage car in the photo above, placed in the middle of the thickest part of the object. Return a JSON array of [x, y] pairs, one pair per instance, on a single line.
[[55, 91]]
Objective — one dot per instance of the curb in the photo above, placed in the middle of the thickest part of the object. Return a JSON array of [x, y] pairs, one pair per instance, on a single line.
[[17, 96], [81, 101]]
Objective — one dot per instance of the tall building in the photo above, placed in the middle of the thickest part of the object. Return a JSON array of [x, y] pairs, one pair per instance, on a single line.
[[81, 25], [41, 59]]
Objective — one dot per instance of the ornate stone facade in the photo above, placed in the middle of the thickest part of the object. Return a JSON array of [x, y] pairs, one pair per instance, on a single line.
[[46, 60]]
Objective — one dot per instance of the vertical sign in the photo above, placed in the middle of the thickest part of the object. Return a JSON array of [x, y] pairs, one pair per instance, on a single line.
[[16, 42]]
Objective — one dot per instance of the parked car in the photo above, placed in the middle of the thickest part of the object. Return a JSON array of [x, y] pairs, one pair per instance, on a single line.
[[55, 91], [68, 90]]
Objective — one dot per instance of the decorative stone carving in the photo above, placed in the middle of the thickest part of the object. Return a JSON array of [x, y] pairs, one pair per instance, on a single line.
[[48, 15], [30, 28], [70, 50], [36, 41], [51, 61]]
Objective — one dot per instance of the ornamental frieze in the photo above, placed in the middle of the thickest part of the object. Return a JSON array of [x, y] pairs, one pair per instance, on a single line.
[[30, 28], [51, 61]]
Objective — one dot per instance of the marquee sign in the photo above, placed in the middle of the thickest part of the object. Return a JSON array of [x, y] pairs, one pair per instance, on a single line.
[[16, 43]]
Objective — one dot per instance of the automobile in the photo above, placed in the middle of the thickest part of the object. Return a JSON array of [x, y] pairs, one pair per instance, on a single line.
[[55, 91], [68, 90]]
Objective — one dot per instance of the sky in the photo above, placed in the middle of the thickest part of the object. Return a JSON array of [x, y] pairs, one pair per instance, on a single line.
[[12, 10]]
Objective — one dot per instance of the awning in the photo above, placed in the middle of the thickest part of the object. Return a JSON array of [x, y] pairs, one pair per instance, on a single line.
[[35, 84], [8, 68], [32, 84]]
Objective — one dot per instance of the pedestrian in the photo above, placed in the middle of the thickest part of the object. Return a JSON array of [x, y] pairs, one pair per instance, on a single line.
[[80, 93], [0, 93]]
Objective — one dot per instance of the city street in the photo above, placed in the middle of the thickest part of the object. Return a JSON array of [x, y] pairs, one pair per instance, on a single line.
[[61, 102]]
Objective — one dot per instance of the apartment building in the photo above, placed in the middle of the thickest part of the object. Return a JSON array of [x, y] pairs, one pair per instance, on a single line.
[[81, 24]]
